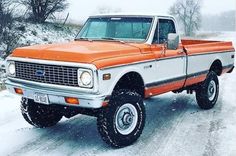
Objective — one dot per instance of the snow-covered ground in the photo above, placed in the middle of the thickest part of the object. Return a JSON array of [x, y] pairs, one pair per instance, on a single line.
[[174, 126]]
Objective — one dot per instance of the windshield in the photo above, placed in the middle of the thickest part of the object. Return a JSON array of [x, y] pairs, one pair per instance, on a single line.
[[116, 28]]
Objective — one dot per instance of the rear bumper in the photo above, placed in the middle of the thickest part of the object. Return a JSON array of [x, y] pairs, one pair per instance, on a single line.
[[57, 96]]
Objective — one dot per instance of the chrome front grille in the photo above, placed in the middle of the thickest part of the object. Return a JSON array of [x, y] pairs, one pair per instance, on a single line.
[[50, 74]]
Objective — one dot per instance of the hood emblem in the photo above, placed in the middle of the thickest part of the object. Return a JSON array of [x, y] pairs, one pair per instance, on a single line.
[[40, 73]]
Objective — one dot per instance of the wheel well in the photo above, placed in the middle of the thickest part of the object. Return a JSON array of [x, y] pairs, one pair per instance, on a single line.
[[132, 81], [217, 67]]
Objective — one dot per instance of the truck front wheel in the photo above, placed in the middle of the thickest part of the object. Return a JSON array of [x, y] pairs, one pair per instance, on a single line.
[[122, 122], [208, 92], [39, 115]]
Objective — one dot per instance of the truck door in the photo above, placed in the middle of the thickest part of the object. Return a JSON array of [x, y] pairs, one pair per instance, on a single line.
[[171, 64]]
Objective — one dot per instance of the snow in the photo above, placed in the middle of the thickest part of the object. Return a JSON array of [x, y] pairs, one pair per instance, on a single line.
[[174, 126], [25, 33], [45, 33], [2, 70]]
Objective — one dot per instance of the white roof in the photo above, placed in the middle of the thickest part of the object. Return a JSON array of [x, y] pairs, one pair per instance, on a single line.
[[135, 14]]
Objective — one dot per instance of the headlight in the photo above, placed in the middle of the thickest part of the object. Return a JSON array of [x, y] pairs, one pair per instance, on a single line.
[[11, 69], [85, 78]]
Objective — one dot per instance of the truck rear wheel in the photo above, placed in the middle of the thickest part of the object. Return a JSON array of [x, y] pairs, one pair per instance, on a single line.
[[39, 115], [208, 92], [122, 122]]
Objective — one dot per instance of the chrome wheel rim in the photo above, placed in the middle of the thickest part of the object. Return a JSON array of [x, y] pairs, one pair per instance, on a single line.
[[212, 90], [126, 119]]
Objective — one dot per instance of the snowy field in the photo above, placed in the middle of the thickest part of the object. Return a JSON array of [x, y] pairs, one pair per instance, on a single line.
[[174, 126]]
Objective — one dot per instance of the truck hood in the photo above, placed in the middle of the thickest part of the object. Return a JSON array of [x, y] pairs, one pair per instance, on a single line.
[[77, 51]]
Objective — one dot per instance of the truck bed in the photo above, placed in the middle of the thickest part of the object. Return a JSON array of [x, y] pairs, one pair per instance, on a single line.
[[206, 46]]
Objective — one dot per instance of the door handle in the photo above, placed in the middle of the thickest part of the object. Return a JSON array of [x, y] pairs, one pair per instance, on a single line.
[[163, 51]]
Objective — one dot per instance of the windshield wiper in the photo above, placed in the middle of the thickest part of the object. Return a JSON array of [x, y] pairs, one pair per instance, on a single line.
[[108, 38], [112, 39], [103, 38], [83, 38]]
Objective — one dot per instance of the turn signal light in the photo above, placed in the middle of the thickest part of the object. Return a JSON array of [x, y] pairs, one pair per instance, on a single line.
[[18, 91], [106, 76], [73, 101], [104, 103]]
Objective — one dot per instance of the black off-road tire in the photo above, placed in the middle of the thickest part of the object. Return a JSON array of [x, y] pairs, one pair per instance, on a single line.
[[106, 120], [204, 100], [39, 115]]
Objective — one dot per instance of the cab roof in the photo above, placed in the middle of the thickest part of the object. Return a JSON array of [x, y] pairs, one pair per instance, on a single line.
[[134, 15]]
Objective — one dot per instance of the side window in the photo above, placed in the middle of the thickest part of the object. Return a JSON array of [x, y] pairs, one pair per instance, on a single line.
[[165, 27]]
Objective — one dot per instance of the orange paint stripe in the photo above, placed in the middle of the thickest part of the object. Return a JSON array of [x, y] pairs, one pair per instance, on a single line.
[[195, 80], [152, 91], [163, 88]]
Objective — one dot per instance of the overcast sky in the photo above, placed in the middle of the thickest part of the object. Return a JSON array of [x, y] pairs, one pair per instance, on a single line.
[[81, 9]]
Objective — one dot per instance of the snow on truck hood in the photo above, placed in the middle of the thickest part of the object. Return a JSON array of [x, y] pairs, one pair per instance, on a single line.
[[78, 51]]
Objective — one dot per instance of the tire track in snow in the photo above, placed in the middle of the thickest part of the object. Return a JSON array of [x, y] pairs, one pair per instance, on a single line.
[[168, 125], [68, 131]]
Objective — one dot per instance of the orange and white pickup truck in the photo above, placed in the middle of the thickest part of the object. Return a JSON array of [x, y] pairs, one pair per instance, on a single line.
[[114, 63]]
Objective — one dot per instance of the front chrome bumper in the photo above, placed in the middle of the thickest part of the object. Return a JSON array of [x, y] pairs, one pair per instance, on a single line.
[[57, 96]]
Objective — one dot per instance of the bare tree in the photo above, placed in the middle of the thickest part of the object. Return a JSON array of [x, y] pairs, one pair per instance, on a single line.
[[5, 15], [188, 12], [8, 35], [42, 9]]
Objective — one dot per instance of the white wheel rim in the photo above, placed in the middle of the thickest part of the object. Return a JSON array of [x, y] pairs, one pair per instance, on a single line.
[[212, 90], [126, 119]]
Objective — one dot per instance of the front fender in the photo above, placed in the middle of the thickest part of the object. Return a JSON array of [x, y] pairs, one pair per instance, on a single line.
[[107, 87]]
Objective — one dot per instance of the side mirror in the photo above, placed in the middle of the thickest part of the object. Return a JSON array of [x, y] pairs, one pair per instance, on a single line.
[[173, 41]]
